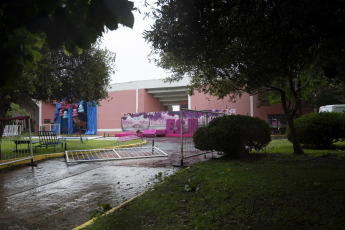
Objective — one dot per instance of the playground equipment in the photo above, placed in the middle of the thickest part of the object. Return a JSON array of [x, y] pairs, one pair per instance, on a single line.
[[15, 139]]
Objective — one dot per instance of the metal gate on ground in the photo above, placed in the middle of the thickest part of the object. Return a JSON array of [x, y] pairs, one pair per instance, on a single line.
[[15, 141], [78, 156], [191, 120]]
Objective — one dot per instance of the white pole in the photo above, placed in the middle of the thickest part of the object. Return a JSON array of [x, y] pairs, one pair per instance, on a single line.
[[181, 120], [189, 102], [137, 101], [251, 106], [40, 114]]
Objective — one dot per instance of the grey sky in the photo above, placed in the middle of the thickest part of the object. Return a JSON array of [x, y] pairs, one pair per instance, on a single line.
[[132, 53]]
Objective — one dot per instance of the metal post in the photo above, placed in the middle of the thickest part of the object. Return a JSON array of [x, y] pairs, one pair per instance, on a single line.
[[32, 155], [153, 147], [81, 139], [181, 120]]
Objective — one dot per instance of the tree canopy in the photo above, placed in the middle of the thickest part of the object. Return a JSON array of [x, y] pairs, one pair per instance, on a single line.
[[71, 77], [231, 47], [26, 24], [58, 76]]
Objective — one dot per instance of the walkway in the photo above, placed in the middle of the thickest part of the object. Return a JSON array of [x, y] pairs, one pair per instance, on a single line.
[[57, 195]]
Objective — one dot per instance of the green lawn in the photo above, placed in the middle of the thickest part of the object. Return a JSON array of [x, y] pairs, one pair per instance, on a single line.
[[284, 147], [77, 145], [90, 144], [271, 189]]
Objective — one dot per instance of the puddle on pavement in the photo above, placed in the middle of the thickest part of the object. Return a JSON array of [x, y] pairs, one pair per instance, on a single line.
[[37, 198], [57, 195]]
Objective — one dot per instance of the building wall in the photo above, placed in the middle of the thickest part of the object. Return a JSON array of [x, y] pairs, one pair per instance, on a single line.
[[200, 101], [48, 112], [147, 103], [109, 112], [263, 111], [133, 97]]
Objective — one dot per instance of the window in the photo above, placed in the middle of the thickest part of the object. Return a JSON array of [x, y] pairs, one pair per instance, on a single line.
[[277, 123], [46, 121], [184, 106]]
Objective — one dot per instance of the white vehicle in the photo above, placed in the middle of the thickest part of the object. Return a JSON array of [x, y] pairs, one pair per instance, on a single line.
[[333, 108]]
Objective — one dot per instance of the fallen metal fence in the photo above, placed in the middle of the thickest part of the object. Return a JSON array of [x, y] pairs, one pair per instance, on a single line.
[[78, 156]]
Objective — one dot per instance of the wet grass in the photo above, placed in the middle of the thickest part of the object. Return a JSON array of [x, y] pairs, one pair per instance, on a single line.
[[77, 145], [271, 189], [285, 148]]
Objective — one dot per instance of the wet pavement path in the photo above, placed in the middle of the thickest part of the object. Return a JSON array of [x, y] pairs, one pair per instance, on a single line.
[[57, 195]]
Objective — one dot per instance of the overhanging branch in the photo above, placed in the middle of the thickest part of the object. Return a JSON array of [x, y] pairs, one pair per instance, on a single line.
[[305, 84], [296, 103], [270, 87]]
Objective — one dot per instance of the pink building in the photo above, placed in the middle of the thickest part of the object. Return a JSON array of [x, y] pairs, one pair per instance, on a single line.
[[157, 95]]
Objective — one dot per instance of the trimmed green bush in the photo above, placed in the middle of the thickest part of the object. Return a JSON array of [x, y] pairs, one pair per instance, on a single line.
[[233, 135], [319, 130], [200, 139]]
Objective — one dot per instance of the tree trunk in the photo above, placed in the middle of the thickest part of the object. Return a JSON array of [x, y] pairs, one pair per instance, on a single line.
[[297, 149], [290, 115]]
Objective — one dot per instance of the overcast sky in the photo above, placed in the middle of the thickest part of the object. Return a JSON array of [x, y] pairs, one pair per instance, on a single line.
[[132, 53]]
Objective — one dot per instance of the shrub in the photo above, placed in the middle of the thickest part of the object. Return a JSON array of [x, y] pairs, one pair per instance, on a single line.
[[200, 139], [233, 134], [319, 130]]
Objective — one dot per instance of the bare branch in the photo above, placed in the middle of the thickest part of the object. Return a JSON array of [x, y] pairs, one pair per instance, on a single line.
[[271, 87], [295, 95], [305, 85]]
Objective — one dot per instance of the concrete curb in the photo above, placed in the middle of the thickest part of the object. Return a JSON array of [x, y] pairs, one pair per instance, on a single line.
[[110, 211], [36, 158]]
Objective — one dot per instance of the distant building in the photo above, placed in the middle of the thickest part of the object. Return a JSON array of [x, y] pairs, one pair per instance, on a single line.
[[157, 95]]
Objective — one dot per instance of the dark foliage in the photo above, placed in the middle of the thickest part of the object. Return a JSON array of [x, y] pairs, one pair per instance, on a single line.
[[233, 135], [319, 130], [232, 47]]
